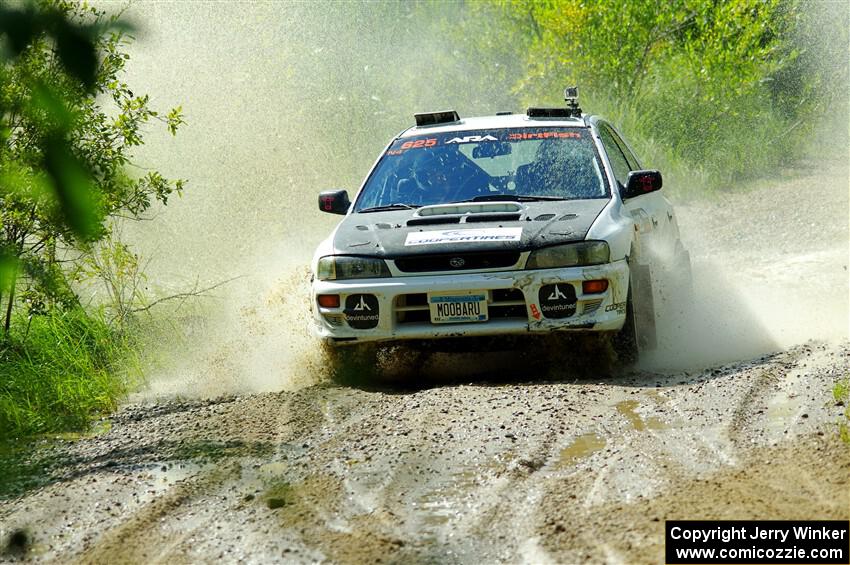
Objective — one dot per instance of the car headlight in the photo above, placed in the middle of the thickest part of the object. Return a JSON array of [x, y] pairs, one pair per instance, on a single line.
[[341, 267], [570, 255]]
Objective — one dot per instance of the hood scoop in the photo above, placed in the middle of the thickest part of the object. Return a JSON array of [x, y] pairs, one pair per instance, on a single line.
[[464, 219], [466, 213]]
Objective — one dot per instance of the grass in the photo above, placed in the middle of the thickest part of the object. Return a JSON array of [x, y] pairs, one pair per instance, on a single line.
[[59, 372], [841, 394], [841, 390], [702, 152]]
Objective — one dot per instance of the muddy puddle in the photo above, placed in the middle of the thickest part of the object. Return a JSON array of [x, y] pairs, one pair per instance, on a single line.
[[628, 409], [581, 448]]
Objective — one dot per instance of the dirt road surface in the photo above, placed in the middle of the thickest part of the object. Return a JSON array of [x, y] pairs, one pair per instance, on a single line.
[[732, 418]]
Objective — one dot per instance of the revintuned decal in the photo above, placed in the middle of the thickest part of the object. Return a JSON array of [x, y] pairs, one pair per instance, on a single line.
[[463, 236]]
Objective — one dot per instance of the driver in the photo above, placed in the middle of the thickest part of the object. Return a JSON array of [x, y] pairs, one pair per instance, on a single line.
[[429, 180]]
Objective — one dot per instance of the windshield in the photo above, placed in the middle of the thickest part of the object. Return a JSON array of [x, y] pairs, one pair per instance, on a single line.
[[519, 163]]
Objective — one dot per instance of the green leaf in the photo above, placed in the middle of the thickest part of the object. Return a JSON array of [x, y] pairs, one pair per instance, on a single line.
[[8, 266], [74, 189], [77, 50]]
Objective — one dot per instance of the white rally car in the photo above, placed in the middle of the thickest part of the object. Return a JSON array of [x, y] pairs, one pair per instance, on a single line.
[[508, 224]]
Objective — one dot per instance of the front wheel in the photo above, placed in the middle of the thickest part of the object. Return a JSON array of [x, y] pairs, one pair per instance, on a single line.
[[638, 332]]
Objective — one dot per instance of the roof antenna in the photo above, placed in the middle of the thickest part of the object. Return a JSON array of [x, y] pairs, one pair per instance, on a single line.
[[571, 98]]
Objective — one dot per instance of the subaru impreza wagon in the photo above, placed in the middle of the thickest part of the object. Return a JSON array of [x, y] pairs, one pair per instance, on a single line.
[[507, 224]]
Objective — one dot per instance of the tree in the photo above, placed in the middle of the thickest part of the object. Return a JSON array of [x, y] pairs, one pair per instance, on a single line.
[[715, 87], [63, 154]]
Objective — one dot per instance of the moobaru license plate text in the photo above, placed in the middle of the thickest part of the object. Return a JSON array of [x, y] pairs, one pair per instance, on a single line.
[[469, 307]]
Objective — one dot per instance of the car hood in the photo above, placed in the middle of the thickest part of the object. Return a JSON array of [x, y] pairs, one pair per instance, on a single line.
[[480, 226]]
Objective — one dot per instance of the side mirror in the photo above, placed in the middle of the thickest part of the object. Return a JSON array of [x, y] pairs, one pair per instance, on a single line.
[[641, 182], [334, 201]]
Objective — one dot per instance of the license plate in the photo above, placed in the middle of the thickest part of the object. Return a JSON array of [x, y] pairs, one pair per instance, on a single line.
[[455, 307]]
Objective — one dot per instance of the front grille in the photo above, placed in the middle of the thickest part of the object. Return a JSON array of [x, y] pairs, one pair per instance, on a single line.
[[457, 261], [412, 309], [505, 303]]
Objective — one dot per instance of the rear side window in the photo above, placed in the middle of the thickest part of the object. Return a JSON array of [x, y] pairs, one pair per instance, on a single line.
[[615, 155]]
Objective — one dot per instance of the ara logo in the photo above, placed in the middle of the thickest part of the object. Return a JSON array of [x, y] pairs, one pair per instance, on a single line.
[[557, 300], [557, 294], [472, 139], [361, 311]]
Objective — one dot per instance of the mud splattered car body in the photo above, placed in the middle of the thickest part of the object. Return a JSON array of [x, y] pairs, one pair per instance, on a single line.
[[496, 225]]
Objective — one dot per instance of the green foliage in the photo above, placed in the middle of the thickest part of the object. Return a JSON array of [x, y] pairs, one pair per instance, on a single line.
[[68, 127], [841, 390], [841, 394], [57, 371], [720, 91], [112, 267]]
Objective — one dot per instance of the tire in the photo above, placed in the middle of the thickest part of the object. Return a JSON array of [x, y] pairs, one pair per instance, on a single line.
[[625, 342], [644, 307], [638, 332]]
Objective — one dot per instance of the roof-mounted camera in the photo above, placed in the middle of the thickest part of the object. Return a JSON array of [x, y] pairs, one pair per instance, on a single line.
[[571, 98], [571, 109]]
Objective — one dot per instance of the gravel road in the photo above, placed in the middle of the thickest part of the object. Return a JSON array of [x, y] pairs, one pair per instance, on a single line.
[[733, 417]]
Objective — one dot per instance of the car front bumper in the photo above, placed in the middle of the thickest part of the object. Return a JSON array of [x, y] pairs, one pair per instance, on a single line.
[[513, 297]]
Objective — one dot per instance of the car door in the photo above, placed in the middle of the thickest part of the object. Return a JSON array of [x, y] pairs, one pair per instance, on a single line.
[[651, 212]]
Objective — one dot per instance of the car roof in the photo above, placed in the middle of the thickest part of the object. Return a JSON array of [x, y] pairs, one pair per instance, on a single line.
[[496, 122]]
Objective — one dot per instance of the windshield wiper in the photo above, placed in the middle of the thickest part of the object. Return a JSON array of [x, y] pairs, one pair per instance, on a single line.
[[397, 206], [512, 198]]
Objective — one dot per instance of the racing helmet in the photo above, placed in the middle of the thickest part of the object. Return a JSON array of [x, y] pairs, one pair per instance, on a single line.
[[429, 171]]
